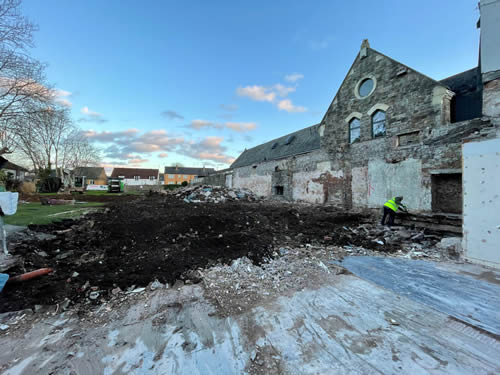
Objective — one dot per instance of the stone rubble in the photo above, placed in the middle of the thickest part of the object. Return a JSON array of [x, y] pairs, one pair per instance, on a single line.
[[212, 194]]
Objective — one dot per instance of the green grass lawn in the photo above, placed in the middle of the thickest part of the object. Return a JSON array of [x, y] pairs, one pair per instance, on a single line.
[[94, 192], [88, 192], [36, 213]]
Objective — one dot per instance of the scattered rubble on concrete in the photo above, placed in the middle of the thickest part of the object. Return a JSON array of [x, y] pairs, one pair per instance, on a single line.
[[238, 286], [451, 247]]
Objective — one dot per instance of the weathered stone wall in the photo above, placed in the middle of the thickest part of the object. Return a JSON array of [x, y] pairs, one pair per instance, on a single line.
[[491, 100], [419, 137], [408, 170], [419, 143], [216, 179], [308, 177]]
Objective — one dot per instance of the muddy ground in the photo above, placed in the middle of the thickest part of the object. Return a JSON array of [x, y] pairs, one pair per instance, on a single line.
[[161, 237]]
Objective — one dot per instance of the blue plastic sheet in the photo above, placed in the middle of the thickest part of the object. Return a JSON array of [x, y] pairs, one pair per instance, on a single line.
[[3, 280]]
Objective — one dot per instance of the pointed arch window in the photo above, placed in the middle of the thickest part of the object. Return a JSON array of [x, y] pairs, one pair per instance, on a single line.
[[354, 130], [378, 123]]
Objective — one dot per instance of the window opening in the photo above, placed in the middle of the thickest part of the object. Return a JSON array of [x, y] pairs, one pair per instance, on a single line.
[[354, 130], [408, 139], [378, 124], [289, 139], [365, 88], [279, 190]]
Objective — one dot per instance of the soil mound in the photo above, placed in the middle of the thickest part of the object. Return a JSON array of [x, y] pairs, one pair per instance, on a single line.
[[162, 237]]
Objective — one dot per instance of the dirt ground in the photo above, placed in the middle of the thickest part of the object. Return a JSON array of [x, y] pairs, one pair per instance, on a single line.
[[161, 237]]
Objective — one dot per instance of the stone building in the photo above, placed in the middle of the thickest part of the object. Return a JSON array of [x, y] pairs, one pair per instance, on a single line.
[[389, 130]]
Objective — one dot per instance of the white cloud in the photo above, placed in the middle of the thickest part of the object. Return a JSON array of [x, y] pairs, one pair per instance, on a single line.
[[132, 148], [294, 77], [258, 93], [61, 97], [241, 126], [107, 136], [271, 94], [200, 124], [283, 90], [286, 105], [91, 116], [209, 148], [86, 111]]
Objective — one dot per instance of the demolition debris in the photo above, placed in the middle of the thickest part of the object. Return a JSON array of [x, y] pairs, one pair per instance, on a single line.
[[164, 238]]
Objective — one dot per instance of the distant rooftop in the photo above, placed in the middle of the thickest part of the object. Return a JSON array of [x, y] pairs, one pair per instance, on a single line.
[[88, 172], [189, 171], [132, 172]]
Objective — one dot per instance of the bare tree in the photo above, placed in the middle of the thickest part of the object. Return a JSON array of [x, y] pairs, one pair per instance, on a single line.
[[77, 151], [22, 80], [49, 137]]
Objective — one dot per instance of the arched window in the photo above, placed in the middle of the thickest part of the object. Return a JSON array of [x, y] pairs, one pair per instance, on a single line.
[[354, 130], [378, 123]]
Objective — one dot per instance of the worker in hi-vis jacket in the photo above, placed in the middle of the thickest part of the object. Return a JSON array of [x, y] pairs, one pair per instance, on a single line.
[[390, 209]]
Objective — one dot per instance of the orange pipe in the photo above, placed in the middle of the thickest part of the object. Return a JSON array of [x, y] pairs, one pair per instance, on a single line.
[[30, 275]]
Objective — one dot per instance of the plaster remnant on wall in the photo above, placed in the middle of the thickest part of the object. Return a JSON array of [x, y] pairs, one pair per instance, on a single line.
[[360, 186], [403, 179], [333, 186]]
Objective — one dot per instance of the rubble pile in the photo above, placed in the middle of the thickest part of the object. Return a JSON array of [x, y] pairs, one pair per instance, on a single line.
[[213, 194], [240, 285], [402, 240]]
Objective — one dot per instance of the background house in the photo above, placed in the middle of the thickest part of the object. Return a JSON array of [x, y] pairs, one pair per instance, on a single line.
[[136, 176], [177, 175], [13, 170], [84, 176]]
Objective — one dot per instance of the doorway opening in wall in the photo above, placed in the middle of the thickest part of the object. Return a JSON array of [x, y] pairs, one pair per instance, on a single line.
[[447, 193], [279, 190]]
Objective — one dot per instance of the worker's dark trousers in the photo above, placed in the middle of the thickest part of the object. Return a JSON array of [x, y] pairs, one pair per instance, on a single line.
[[391, 213]]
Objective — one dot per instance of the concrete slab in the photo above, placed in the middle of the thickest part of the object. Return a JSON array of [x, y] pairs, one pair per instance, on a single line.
[[346, 326], [467, 292]]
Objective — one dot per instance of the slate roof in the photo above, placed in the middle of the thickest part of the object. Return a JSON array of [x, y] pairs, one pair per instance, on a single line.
[[468, 101], [5, 164], [463, 82], [89, 172], [188, 171], [302, 141], [129, 173]]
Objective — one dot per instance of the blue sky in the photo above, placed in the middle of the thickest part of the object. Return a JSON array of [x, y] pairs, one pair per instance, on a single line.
[[154, 83]]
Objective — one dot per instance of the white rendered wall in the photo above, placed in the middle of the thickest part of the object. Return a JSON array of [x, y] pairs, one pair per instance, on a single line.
[[490, 35], [481, 187], [131, 181]]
